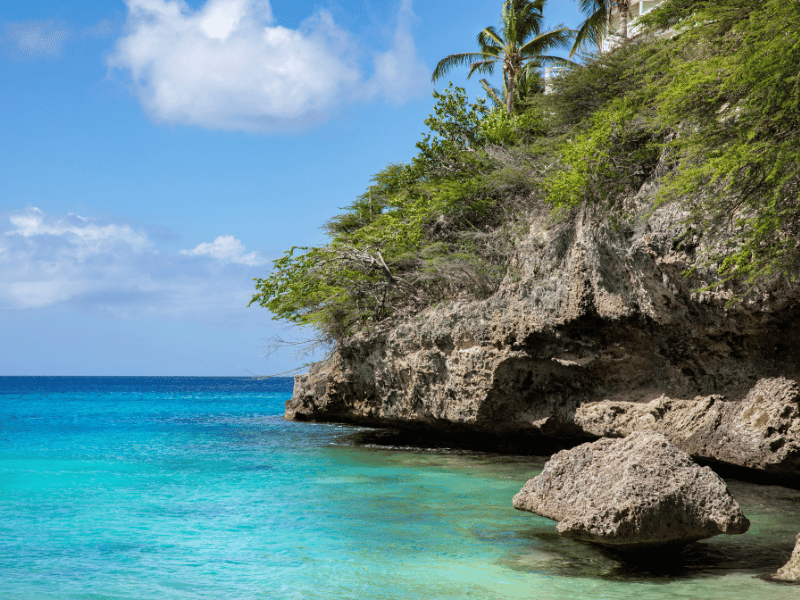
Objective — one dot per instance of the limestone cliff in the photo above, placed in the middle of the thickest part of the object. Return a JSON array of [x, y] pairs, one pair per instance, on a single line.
[[591, 310]]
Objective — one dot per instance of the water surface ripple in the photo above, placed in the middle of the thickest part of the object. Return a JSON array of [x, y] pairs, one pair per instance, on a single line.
[[153, 488]]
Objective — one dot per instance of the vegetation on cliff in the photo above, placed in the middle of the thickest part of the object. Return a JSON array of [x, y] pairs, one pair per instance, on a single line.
[[711, 112]]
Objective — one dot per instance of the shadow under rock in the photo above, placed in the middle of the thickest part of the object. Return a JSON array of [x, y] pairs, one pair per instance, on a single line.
[[560, 556], [469, 441]]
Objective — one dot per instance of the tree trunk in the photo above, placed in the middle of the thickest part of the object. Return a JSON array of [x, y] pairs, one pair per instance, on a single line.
[[624, 7], [511, 82]]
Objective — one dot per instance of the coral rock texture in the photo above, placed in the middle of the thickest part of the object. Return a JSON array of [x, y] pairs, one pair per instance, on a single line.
[[636, 492], [589, 311], [762, 431], [791, 570]]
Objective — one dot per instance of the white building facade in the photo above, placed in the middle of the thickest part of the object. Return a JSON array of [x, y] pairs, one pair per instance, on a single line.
[[613, 37], [636, 9]]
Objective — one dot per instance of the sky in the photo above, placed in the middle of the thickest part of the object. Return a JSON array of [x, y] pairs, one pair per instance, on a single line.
[[157, 155]]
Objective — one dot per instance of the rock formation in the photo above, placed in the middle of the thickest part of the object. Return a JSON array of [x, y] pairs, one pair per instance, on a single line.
[[636, 492], [761, 432], [590, 311], [791, 570]]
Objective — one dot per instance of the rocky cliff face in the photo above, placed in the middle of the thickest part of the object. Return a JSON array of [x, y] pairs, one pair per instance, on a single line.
[[591, 311], [760, 432]]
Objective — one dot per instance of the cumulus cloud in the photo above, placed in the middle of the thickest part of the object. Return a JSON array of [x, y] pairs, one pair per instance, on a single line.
[[228, 249], [36, 39], [113, 269], [47, 259], [228, 65]]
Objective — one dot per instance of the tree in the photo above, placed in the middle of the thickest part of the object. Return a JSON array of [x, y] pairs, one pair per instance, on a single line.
[[422, 233], [716, 110], [598, 19], [520, 46], [528, 83]]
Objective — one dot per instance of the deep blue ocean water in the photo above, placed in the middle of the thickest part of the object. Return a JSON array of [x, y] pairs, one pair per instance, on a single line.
[[171, 487]]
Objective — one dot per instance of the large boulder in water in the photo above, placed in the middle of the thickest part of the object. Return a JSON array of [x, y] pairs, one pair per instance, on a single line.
[[640, 491], [791, 570]]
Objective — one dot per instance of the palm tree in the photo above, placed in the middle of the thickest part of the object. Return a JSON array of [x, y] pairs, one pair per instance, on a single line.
[[528, 83], [598, 20], [519, 21]]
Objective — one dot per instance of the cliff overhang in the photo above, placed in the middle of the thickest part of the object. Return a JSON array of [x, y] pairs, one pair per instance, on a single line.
[[592, 312]]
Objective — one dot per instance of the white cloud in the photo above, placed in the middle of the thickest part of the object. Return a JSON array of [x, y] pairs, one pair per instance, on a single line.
[[228, 249], [227, 65], [399, 72], [85, 235], [46, 260], [115, 270], [37, 38], [35, 294]]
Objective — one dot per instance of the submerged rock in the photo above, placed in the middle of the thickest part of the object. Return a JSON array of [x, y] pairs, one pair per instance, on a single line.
[[637, 492], [762, 431], [791, 570]]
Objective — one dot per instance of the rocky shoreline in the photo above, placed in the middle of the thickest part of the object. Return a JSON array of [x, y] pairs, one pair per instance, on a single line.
[[596, 333]]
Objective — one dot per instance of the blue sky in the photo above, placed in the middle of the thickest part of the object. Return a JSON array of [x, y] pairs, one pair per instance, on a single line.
[[158, 154]]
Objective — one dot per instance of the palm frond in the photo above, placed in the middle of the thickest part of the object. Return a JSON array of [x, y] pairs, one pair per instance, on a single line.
[[484, 66], [545, 59], [457, 60], [507, 18], [492, 93], [555, 38], [489, 38], [529, 19], [522, 45], [596, 24]]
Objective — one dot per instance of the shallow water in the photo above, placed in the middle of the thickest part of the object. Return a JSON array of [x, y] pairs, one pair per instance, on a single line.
[[197, 488]]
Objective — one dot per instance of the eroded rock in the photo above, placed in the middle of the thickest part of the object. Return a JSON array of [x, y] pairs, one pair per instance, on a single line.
[[762, 431], [591, 311], [640, 491], [791, 570]]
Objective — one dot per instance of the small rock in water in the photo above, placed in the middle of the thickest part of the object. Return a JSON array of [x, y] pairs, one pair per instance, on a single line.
[[791, 570], [635, 492]]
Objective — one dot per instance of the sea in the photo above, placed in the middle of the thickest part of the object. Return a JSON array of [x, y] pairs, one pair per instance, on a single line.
[[196, 487]]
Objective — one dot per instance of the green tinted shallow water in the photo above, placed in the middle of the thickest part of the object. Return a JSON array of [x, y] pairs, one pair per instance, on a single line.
[[145, 491]]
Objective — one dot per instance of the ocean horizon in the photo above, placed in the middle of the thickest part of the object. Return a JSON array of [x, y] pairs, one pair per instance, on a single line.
[[196, 487]]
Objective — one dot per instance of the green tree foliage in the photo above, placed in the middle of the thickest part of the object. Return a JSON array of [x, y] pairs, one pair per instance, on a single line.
[[421, 233], [709, 113], [611, 158], [733, 103], [455, 136], [519, 47], [720, 99]]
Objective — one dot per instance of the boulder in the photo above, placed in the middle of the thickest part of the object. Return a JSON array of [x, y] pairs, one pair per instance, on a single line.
[[636, 492], [791, 570], [762, 431]]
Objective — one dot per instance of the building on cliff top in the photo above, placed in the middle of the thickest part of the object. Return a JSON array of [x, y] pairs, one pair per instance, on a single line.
[[614, 34], [636, 8]]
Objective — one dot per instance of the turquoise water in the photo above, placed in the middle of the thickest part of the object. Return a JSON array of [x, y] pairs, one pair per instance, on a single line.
[[144, 488]]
